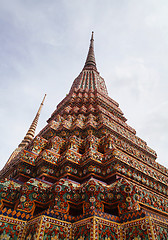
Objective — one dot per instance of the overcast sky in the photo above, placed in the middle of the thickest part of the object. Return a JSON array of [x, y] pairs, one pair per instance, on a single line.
[[43, 47]]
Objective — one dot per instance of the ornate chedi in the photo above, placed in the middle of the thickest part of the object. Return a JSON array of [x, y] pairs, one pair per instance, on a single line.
[[86, 175]]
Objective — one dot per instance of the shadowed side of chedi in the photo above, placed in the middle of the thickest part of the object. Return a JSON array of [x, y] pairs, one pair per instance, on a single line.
[[86, 175]]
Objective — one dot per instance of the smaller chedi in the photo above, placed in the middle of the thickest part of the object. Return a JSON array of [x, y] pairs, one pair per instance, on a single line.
[[86, 175]]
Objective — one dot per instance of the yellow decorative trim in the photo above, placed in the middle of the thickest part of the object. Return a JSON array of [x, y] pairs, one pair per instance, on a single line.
[[83, 220], [56, 219], [42, 218], [12, 219], [139, 219], [70, 235], [120, 233], [110, 221], [151, 228], [94, 227], [33, 219]]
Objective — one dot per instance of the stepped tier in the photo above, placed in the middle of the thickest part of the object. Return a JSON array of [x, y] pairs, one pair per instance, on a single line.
[[86, 175]]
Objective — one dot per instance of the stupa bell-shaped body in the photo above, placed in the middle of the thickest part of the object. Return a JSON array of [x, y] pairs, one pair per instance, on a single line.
[[86, 175]]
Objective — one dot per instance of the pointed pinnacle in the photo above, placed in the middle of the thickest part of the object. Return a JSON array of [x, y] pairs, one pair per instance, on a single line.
[[90, 61], [31, 132], [42, 103], [92, 36], [29, 135]]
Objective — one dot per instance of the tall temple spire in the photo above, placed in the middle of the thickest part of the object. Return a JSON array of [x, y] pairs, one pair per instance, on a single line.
[[29, 135], [90, 60], [31, 132], [89, 78]]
